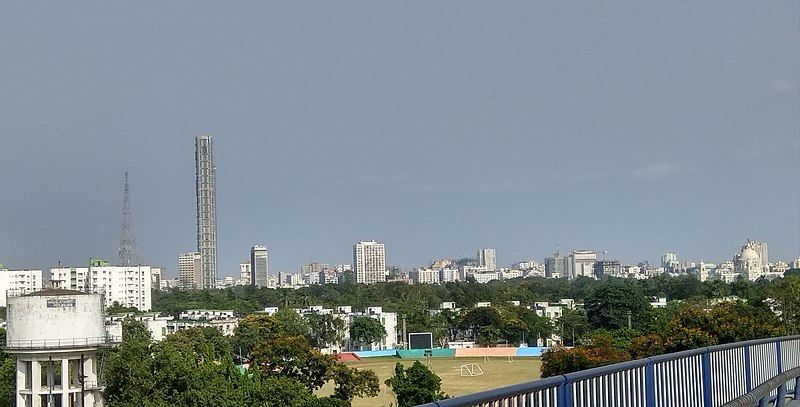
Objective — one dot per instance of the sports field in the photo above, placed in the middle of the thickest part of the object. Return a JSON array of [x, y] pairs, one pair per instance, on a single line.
[[497, 372]]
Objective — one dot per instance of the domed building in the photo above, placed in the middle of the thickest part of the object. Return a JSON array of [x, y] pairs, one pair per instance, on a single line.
[[749, 264]]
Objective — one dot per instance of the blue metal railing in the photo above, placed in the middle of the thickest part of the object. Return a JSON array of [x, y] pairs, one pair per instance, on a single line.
[[706, 377]]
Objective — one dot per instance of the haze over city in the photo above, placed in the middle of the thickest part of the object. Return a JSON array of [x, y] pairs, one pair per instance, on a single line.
[[435, 128]]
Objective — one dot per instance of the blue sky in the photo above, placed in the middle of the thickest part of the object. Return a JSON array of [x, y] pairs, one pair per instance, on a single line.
[[435, 127]]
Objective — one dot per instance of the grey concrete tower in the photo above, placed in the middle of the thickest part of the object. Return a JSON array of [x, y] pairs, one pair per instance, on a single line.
[[206, 210]]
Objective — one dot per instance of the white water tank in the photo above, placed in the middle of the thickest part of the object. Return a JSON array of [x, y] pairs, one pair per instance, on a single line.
[[55, 318], [56, 335]]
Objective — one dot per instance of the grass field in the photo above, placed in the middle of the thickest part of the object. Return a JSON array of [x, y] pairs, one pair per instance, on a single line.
[[497, 372]]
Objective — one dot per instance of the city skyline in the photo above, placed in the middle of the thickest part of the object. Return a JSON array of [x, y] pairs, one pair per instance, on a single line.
[[436, 129]]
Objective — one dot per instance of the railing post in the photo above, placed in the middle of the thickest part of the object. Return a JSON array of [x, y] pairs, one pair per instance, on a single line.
[[796, 388], [781, 400], [748, 380], [706, 358], [778, 354], [650, 385], [564, 394]]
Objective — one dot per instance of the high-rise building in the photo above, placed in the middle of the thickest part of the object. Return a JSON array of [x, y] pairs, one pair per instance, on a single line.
[[556, 266], [259, 266], [582, 263], [206, 210], [190, 270], [486, 257], [244, 273], [669, 262], [369, 259]]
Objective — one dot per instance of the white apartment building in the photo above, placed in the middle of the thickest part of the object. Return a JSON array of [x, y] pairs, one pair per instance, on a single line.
[[447, 275], [486, 277], [425, 276], [369, 258], [18, 282], [129, 286], [244, 273]]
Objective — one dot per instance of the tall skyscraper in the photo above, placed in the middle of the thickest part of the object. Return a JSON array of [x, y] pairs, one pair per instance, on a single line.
[[259, 266], [206, 210], [369, 260], [488, 258]]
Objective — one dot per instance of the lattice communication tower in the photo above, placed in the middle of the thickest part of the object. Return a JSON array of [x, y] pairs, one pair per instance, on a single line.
[[127, 241]]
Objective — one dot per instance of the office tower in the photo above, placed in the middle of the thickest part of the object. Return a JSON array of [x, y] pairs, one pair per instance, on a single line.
[[370, 262], [190, 270], [486, 257], [206, 210], [259, 266], [582, 263]]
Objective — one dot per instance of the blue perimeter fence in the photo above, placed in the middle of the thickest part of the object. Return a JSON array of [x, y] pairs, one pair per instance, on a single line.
[[704, 377]]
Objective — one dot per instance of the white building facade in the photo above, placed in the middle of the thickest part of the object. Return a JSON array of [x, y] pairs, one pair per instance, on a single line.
[[18, 282], [128, 286], [369, 259]]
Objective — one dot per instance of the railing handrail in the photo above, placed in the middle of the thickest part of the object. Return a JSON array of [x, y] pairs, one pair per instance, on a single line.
[[763, 390], [566, 379], [55, 343]]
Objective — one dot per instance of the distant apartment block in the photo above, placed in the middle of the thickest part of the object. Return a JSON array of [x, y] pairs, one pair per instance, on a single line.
[[18, 282], [190, 271], [128, 286], [487, 258], [369, 259], [244, 273]]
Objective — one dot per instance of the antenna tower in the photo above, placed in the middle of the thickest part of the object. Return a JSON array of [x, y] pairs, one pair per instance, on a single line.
[[127, 240]]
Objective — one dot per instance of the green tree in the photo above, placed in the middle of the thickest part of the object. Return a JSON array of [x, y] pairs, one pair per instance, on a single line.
[[253, 329], [351, 382], [366, 330], [572, 325], [294, 358], [325, 330], [129, 379], [474, 319], [786, 293], [614, 303], [8, 375], [598, 352], [292, 323], [415, 385]]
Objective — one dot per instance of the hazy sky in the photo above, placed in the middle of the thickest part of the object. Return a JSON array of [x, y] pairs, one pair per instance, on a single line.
[[436, 128]]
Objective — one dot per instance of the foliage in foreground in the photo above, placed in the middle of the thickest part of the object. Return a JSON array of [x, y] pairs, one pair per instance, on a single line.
[[692, 327], [194, 367], [415, 385]]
